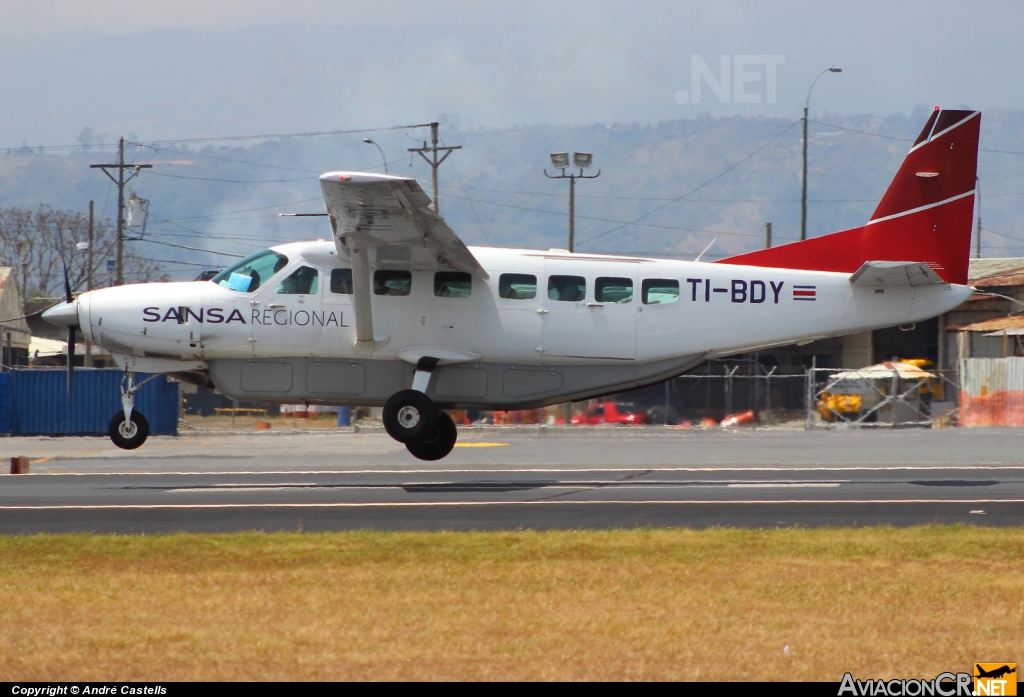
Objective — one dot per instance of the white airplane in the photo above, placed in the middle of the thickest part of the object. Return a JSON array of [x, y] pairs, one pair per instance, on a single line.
[[396, 311]]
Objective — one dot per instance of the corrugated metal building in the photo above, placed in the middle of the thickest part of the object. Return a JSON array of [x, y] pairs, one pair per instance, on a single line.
[[992, 392], [35, 402]]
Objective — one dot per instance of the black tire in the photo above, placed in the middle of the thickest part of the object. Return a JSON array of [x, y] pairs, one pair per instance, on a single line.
[[130, 441], [409, 415], [439, 443]]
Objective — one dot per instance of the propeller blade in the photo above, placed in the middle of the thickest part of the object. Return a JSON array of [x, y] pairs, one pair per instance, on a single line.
[[71, 358]]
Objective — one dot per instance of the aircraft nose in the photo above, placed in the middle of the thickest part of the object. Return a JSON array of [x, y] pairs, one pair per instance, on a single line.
[[63, 315]]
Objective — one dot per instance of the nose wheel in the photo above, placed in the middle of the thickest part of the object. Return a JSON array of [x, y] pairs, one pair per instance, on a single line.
[[129, 434]]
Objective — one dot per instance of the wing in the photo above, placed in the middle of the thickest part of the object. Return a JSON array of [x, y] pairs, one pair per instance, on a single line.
[[391, 215], [895, 273]]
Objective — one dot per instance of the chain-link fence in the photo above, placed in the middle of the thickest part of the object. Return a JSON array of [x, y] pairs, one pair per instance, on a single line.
[[883, 396]]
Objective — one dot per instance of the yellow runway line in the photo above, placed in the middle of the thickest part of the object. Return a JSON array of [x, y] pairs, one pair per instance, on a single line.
[[481, 445]]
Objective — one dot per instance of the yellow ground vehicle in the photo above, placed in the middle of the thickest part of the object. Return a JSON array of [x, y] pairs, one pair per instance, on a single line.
[[851, 394], [931, 390]]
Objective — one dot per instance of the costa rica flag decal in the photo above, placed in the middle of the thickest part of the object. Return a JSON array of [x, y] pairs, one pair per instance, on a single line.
[[805, 292]]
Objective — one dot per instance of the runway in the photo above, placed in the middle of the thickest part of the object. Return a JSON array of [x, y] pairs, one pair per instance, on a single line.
[[503, 481]]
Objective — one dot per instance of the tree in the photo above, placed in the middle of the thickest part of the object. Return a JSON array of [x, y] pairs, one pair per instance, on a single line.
[[38, 242]]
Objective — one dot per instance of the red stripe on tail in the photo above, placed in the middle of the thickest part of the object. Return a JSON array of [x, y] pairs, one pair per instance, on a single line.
[[925, 215]]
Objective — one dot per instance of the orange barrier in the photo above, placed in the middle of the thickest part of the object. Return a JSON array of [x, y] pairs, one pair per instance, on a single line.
[[1003, 408], [742, 419]]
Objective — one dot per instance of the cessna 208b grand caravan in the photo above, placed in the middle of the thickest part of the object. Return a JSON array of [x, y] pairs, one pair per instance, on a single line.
[[396, 311]]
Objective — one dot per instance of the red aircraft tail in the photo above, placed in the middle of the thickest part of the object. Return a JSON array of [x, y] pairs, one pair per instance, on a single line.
[[925, 215]]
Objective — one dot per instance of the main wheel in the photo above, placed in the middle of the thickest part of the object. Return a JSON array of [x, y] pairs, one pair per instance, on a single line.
[[129, 435], [409, 415], [439, 443]]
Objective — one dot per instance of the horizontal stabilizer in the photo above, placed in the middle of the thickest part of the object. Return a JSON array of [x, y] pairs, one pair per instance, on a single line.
[[895, 273]]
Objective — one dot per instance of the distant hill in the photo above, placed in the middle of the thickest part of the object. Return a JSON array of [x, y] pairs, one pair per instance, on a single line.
[[684, 182]]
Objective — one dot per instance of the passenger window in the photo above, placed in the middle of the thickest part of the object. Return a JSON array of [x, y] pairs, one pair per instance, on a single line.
[[248, 274], [303, 281], [613, 290], [517, 286], [452, 284], [341, 281], [386, 282], [567, 288], [660, 291]]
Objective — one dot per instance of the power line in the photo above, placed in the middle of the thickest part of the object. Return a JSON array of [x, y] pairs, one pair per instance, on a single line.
[[1009, 237], [233, 181], [694, 190], [247, 210], [663, 198], [192, 249], [222, 159], [265, 136], [866, 133], [603, 220], [172, 261]]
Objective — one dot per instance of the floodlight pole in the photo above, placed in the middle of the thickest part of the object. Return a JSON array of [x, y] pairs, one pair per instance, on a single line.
[[803, 179], [433, 160], [120, 166], [572, 198]]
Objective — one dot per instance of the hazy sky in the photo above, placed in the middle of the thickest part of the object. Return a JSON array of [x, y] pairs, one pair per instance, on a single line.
[[220, 67]]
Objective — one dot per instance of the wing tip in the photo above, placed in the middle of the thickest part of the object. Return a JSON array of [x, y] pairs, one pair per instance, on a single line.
[[362, 177]]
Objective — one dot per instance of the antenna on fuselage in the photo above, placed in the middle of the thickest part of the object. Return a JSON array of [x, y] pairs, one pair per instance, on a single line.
[[705, 249]]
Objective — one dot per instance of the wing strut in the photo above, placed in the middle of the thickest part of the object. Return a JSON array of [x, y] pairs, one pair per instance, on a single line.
[[361, 292]]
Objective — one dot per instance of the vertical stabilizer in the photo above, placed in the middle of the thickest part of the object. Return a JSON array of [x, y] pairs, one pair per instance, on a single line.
[[924, 216]]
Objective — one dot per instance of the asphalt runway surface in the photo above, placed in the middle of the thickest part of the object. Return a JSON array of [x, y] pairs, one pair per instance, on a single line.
[[517, 479]]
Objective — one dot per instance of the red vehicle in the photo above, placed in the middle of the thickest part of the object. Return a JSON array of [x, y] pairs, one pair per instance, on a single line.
[[610, 413]]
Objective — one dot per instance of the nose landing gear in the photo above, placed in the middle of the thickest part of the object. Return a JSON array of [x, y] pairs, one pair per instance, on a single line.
[[129, 429], [411, 417]]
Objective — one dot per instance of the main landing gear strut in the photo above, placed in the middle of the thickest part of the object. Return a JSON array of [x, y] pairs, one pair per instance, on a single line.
[[129, 428], [410, 417]]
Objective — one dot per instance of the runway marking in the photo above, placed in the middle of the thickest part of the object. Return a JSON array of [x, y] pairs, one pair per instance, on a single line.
[[436, 504], [923, 467], [780, 485], [481, 445]]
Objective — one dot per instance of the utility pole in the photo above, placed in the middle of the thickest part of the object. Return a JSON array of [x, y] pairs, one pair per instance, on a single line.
[[582, 161], [977, 234], [767, 235], [87, 362], [433, 160], [120, 180]]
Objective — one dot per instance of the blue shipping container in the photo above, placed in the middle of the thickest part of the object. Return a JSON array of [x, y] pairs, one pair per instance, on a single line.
[[37, 402]]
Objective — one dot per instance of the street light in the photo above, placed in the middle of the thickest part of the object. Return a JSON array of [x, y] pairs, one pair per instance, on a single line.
[[581, 161], [803, 186], [383, 159]]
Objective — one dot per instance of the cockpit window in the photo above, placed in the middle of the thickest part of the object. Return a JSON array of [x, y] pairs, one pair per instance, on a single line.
[[248, 274], [303, 281]]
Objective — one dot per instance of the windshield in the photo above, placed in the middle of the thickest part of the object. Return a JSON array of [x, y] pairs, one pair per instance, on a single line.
[[248, 274]]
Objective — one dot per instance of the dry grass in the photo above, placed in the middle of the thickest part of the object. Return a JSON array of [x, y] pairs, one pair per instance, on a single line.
[[639, 604]]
